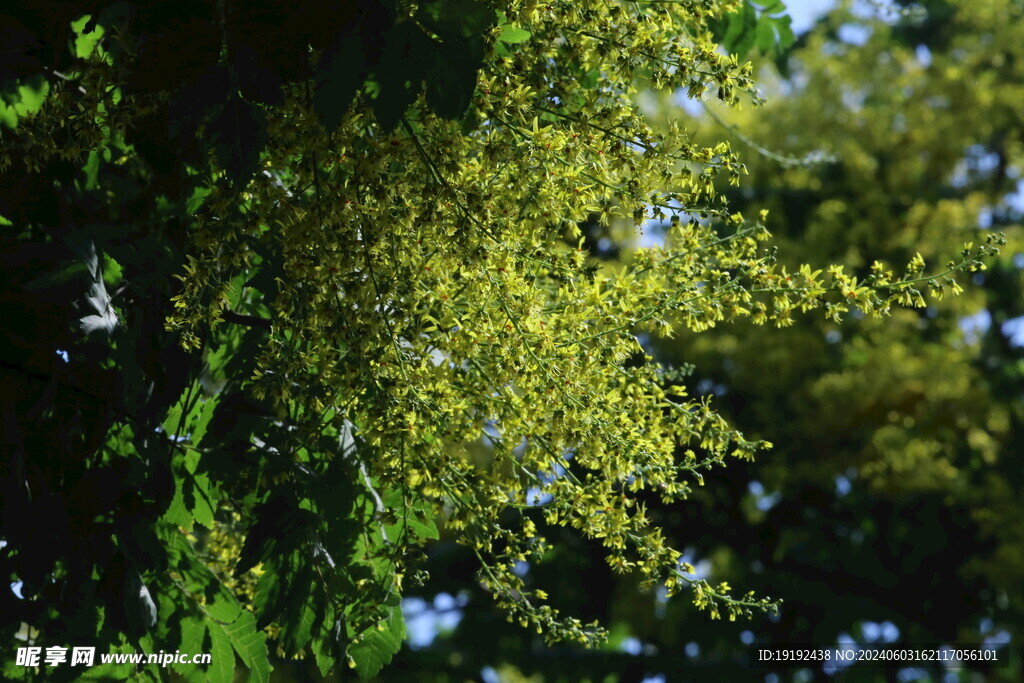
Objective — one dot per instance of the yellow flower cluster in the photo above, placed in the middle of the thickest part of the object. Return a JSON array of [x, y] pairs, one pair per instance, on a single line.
[[435, 297]]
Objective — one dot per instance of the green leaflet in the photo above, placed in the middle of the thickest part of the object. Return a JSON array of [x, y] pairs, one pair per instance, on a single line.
[[195, 500], [377, 645], [239, 132], [222, 658], [23, 98], [764, 25], [85, 41], [226, 620], [193, 639], [251, 646], [341, 73], [451, 76], [409, 516], [513, 34]]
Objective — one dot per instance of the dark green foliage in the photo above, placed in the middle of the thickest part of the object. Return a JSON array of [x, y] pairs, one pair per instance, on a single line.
[[341, 73], [220, 71], [761, 24], [103, 416], [86, 474]]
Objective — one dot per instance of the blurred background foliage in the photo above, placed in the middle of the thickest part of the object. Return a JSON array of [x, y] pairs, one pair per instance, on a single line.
[[890, 508]]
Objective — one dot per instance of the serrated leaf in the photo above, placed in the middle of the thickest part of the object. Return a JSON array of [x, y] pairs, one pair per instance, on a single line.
[[376, 647], [193, 632], [280, 528], [193, 499], [202, 504], [251, 646], [195, 638], [741, 29], [301, 630], [177, 513], [222, 657], [198, 579], [270, 596], [324, 659], [324, 644]]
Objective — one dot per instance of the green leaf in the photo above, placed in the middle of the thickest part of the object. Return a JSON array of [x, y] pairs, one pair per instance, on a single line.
[[326, 647], [199, 195], [425, 530], [765, 39], [272, 590], [764, 25], [32, 95], [740, 29], [195, 492], [301, 630], [222, 656], [377, 645], [589, 79], [513, 34], [220, 603], [239, 133], [251, 646], [195, 423], [195, 498], [324, 659], [340, 74], [92, 169], [8, 116], [193, 629], [21, 98], [783, 25], [85, 43], [400, 74], [451, 78], [110, 672], [195, 637], [230, 627], [280, 529]]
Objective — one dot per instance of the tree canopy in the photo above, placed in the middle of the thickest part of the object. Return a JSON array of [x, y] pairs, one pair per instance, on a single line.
[[885, 511], [292, 289]]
